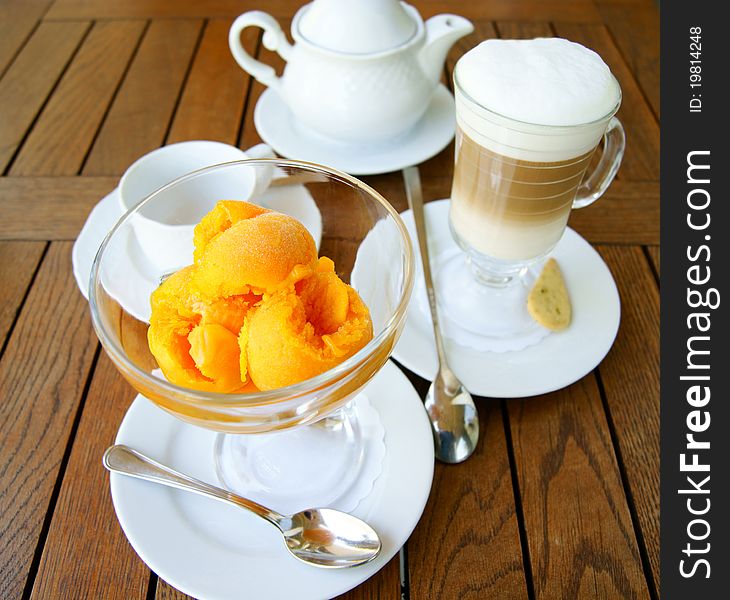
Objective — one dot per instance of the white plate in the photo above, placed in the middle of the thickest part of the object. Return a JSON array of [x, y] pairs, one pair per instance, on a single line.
[[556, 361], [217, 552], [433, 132], [140, 280]]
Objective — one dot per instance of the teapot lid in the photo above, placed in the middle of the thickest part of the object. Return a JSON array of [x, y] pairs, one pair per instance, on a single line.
[[356, 26]]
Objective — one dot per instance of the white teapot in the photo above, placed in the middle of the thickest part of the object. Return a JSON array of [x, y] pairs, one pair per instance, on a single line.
[[360, 71]]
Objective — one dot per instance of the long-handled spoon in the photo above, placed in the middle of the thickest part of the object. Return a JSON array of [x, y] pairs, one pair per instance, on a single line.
[[323, 537], [450, 407]]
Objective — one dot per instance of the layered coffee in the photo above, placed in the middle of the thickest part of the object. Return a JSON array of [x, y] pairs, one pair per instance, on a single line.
[[512, 209], [530, 114]]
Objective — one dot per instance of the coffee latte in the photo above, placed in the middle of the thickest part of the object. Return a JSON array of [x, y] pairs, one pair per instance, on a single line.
[[530, 114], [511, 209]]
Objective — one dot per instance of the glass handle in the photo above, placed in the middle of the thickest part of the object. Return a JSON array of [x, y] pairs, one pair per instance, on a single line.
[[593, 186]]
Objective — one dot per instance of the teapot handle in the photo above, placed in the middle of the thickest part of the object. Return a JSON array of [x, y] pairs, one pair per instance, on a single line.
[[274, 39]]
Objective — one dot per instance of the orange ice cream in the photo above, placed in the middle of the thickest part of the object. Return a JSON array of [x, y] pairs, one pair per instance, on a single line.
[[257, 309]]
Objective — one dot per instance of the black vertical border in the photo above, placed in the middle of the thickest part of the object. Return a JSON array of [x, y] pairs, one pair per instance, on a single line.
[[683, 131]]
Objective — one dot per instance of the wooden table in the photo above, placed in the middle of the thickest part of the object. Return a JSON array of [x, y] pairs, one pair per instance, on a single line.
[[561, 498]]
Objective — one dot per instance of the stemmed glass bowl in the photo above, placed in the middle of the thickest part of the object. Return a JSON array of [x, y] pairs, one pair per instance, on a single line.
[[353, 225]]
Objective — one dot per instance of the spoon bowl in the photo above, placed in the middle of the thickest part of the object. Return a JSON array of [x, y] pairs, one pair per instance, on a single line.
[[453, 417], [323, 537], [312, 538]]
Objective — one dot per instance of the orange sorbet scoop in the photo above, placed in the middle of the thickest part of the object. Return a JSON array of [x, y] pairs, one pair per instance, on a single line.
[[257, 309], [291, 337]]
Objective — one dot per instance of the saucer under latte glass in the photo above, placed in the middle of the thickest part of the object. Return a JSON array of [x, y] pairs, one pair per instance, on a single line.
[[514, 186], [370, 247]]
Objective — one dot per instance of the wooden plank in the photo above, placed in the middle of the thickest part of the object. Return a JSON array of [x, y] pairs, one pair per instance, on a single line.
[[566, 10], [211, 106], [574, 11], [18, 262], [391, 186], [86, 550], [522, 30], [655, 258], [641, 161], [578, 526], [165, 591], [467, 543], [635, 29], [29, 80], [42, 376], [48, 208], [65, 129], [139, 117], [628, 214], [630, 376], [18, 18], [160, 9]]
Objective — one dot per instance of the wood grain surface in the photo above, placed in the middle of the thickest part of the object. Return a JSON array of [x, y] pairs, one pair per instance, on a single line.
[[654, 255], [18, 263], [578, 525], [100, 563], [566, 10], [561, 498], [212, 102], [138, 119], [60, 138], [49, 208], [467, 544], [632, 390], [18, 20], [29, 81], [42, 375]]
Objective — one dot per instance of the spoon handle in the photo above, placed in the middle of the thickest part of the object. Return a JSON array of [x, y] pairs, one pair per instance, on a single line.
[[125, 460], [414, 194]]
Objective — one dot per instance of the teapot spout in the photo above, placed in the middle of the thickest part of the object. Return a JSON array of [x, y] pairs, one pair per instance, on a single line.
[[441, 33]]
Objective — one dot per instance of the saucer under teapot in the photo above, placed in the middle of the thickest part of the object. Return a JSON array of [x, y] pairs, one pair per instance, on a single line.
[[360, 71]]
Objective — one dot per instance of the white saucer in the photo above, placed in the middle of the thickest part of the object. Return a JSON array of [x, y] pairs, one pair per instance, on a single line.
[[278, 128], [140, 279], [218, 552], [556, 361]]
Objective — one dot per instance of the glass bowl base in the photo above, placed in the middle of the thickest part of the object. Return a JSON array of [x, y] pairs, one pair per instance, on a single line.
[[483, 317], [330, 463]]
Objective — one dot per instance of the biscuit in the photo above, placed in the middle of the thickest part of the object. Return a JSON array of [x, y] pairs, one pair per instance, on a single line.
[[548, 301]]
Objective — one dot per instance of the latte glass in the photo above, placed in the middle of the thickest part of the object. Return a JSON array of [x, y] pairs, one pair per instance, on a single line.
[[514, 186]]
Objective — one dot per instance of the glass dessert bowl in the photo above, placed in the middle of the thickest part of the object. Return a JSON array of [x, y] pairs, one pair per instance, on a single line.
[[351, 224]]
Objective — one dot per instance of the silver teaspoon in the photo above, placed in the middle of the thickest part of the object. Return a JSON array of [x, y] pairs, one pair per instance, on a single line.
[[323, 537], [450, 407]]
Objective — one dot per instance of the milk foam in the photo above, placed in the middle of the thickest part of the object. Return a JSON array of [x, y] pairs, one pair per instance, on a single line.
[[546, 81], [540, 100]]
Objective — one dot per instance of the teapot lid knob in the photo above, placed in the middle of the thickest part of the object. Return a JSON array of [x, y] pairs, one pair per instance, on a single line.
[[357, 26]]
